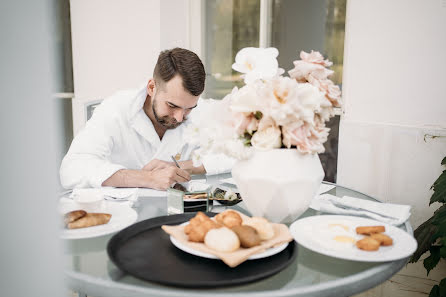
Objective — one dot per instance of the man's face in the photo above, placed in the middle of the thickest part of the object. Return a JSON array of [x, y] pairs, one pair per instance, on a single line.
[[172, 104]]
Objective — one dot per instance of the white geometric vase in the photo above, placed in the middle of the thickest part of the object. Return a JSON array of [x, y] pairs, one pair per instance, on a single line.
[[278, 184]]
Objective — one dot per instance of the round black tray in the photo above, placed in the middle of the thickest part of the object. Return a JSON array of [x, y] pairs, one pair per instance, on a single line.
[[145, 251]]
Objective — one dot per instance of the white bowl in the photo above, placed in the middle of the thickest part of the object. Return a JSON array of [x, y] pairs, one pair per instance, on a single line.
[[90, 201]]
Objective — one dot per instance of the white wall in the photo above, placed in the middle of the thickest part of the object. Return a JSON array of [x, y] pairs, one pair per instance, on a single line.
[[394, 93], [116, 43], [115, 46]]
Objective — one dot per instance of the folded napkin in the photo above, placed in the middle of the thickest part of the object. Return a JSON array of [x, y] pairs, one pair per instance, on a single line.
[[393, 214], [232, 259]]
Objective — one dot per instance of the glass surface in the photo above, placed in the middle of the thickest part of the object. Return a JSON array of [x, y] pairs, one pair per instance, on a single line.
[[301, 25], [89, 256]]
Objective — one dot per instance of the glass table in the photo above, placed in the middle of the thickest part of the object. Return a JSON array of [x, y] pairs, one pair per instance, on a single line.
[[90, 272]]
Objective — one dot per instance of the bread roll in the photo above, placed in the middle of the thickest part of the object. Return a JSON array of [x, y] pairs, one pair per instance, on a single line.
[[229, 218], [247, 235], [222, 240], [262, 226]]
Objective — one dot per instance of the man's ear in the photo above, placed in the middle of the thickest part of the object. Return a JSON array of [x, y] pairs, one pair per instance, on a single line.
[[151, 87]]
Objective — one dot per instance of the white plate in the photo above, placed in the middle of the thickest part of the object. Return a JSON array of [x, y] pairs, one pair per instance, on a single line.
[[317, 232], [187, 249], [122, 216]]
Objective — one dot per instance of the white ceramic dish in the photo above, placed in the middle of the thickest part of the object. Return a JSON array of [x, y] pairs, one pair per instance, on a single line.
[[122, 217], [269, 252], [317, 232]]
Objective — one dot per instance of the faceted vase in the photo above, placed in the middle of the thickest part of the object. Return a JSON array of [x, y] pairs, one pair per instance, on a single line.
[[278, 184]]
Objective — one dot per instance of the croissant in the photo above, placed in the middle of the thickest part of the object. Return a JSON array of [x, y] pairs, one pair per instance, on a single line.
[[73, 216], [90, 219]]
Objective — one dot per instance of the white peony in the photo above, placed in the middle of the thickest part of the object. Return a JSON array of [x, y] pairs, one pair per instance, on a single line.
[[257, 63], [268, 136]]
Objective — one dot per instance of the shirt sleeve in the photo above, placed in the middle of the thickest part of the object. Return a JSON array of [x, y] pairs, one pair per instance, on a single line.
[[87, 163]]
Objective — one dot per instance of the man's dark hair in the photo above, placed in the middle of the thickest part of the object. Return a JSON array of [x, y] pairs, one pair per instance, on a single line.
[[184, 63]]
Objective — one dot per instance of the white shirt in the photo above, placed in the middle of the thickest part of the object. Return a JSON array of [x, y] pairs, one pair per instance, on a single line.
[[120, 135]]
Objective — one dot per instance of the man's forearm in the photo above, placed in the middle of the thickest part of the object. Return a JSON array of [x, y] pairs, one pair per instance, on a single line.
[[189, 166], [128, 178]]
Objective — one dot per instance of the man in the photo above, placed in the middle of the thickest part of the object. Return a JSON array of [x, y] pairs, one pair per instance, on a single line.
[[132, 135]]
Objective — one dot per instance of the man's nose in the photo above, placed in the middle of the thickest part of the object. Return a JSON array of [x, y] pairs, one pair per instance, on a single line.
[[179, 115]]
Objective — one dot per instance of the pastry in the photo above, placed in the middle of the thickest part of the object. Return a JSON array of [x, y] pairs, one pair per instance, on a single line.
[[198, 227], [382, 239], [247, 235], [222, 240], [229, 218], [90, 219], [73, 216], [367, 230], [368, 244], [262, 226]]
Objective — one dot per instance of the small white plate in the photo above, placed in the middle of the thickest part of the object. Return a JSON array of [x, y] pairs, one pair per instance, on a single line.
[[269, 252], [122, 217], [317, 232]]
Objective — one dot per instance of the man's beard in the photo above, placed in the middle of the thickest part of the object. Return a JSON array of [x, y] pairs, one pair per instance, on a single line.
[[165, 121]]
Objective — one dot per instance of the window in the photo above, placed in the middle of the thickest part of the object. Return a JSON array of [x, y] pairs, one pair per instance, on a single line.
[[288, 25]]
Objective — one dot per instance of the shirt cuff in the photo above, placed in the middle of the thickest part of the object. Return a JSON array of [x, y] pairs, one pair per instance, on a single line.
[[217, 163]]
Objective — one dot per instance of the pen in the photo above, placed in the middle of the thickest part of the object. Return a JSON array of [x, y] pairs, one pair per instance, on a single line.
[[175, 161]]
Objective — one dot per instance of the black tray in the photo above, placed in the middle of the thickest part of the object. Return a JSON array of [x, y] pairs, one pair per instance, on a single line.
[[145, 251]]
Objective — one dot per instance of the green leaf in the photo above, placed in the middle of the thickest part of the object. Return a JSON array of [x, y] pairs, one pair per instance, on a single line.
[[439, 216], [443, 287], [258, 115], [439, 188], [432, 261], [435, 292], [444, 161], [424, 236], [443, 249]]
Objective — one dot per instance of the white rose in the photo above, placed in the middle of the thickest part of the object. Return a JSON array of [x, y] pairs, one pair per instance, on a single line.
[[268, 138]]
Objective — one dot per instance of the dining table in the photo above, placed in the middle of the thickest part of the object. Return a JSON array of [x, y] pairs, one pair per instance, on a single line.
[[89, 271]]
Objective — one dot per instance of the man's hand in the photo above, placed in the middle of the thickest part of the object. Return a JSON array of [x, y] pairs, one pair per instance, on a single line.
[[157, 164], [163, 178]]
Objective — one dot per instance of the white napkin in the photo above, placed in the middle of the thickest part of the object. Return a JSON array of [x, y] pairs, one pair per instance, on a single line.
[[393, 214], [110, 193]]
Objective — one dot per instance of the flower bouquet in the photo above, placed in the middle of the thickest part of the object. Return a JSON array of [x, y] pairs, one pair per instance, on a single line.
[[271, 119]]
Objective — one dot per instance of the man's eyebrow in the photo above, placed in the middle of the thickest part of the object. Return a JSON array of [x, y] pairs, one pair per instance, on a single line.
[[174, 105]]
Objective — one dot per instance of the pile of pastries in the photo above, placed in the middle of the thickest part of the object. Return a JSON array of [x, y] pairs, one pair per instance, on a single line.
[[81, 219], [227, 231], [374, 238]]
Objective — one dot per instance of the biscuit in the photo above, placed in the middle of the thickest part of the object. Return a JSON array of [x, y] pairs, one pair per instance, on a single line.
[[382, 238], [367, 230], [368, 244]]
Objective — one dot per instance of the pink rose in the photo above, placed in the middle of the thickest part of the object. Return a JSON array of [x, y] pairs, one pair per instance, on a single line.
[[245, 123], [315, 57], [307, 138], [332, 92]]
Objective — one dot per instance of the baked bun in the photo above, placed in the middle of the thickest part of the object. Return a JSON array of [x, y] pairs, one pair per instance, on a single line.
[[222, 240], [262, 226], [247, 235], [229, 218]]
